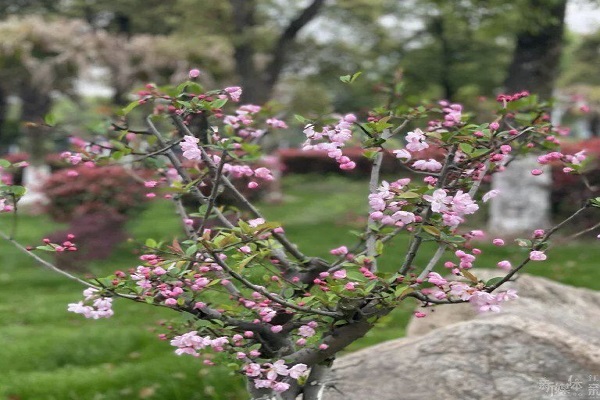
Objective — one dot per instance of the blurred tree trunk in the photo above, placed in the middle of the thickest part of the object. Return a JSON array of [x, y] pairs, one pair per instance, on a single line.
[[3, 115], [536, 59], [258, 83], [35, 106], [524, 200]]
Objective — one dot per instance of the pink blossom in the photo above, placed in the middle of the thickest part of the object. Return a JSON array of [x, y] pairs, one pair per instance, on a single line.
[[505, 265], [340, 274], [252, 369], [436, 279], [276, 123], [263, 173], [490, 195], [509, 294], [403, 154], [150, 184], [323, 346], [190, 148], [484, 301], [463, 204], [537, 256], [276, 328], [427, 165], [498, 242], [352, 285], [306, 331], [194, 73], [438, 200], [245, 249], [536, 172], [280, 386], [235, 92], [256, 222], [419, 314], [339, 251], [298, 370], [416, 141]]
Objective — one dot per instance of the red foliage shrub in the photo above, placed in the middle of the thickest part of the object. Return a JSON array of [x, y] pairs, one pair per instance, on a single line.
[[96, 235], [98, 189]]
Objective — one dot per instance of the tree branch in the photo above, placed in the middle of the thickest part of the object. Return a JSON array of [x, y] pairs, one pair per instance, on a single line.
[[279, 53]]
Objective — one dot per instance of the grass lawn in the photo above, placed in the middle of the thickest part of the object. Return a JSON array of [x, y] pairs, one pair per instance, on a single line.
[[47, 353]]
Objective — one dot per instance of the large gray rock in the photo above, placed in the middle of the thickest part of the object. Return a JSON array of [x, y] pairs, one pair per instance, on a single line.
[[545, 345]]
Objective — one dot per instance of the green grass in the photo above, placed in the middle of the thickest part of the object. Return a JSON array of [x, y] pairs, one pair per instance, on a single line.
[[48, 353]]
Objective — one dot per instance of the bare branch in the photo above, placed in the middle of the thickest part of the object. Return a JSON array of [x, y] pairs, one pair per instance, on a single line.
[[45, 263]]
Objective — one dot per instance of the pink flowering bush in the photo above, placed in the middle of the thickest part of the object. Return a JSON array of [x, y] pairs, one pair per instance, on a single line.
[[252, 298]]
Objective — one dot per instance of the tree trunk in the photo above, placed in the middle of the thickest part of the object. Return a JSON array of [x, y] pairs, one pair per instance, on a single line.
[[35, 106], [524, 200], [536, 59], [258, 84]]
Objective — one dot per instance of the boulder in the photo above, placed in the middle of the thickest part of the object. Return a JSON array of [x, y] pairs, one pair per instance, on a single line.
[[545, 345]]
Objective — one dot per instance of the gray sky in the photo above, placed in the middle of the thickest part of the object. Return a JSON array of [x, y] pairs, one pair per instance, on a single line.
[[583, 16]]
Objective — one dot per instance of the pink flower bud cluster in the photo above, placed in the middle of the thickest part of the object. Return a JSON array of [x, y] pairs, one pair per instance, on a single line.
[[480, 299], [234, 92], [94, 306], [453, 114], [387, 208], [452, 208], [269, 375], [336, 138], [243, 120], [72, 158], [505, 98], [190, 343]]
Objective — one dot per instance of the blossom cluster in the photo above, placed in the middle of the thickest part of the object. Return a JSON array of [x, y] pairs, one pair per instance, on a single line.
[[506, 98], [387, 208], [335, 138], [93, 305], [482, 300], [452, 208], [269, 375], [191, 342]]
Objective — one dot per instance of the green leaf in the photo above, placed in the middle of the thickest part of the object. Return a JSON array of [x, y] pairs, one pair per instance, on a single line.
[[350, 78], [466, 148], [301, 119], [408, 195], [218, 103], [245, 261], [402, 291], [151, 243], [379, 247], [50, 119], [493, 281], [130, 107], [595, 202], [469, 276], [45, 248], [4, 163], [432, 230]]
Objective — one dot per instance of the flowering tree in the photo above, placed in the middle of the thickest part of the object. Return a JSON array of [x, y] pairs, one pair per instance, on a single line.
[[255, 300]]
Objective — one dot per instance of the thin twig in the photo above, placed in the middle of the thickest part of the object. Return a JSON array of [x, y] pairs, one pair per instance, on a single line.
[[266, 293], [290, 248], [516, 269], [45, 263], [434, 260]]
